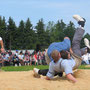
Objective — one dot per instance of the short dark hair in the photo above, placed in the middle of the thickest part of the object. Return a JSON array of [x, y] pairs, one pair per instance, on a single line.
[[64, 54]]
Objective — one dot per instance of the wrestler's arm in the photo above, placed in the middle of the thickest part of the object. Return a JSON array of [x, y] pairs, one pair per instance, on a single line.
[[71, 50], [71, 77], [47, 78], [2, 46], [51, 72]]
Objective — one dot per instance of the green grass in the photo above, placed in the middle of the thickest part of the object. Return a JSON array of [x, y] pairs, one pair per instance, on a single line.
[[27, 68], [23, 68], [84, 67]]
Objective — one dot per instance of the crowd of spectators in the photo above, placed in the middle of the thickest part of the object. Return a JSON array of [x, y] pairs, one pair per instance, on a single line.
[[18, 58]]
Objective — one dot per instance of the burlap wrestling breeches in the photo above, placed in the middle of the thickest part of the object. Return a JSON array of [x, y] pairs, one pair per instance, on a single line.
[[47, 58], [77, 59]]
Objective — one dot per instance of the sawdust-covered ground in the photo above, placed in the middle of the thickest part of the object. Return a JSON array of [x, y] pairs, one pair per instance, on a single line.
[[26, 81]]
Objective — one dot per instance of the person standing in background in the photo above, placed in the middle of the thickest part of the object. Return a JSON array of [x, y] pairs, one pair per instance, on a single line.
[[2, 45]]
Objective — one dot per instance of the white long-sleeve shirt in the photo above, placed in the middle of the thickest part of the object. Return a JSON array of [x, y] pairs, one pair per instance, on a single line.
[[64, 65], [0, 38]]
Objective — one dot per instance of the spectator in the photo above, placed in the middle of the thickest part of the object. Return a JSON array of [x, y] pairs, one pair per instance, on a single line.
[[17, 53], [85, 58], [2, 45], [39, 59], [21, 58], [6, 60], [15, 60], [0, 60], [26, 52], [43, 58], [26, 59], [35, 58], [32, 60], [88, 50], [10, 52]]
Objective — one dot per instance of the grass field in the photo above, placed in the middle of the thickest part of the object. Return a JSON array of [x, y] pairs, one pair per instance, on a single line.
[[27, 68], [23, 68]]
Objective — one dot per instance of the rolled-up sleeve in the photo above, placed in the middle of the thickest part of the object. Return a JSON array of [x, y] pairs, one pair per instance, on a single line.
[[51, 72]]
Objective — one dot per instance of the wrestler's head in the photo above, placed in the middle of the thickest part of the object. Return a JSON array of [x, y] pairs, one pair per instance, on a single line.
[[55, 55], [65, 54]]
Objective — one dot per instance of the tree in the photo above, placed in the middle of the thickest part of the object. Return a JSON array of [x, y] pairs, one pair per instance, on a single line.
[[57, 34], [60, 26], [40, 33], [50, 28], [11, 27], [29, 35], [87, 35], [70, 30], [20, 35], [26, 37]]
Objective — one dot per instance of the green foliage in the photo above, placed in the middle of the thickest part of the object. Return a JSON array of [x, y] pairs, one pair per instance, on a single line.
[[25, 36], [70, 30], [87, 36], [59, 28], [20, 35]]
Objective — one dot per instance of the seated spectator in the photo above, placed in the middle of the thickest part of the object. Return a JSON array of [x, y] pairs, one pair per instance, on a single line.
[[11, 58], [39, 59], [32, 60], [21, 58], [85, 58], [10, 52], [29, 53], [17, 53], [0, 60], [5, 59], [88, 50], [35, 58], [15, 60], [26, 59], [26, 51]]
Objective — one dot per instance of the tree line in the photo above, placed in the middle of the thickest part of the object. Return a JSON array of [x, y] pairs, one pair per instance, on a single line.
[[27, 36]]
